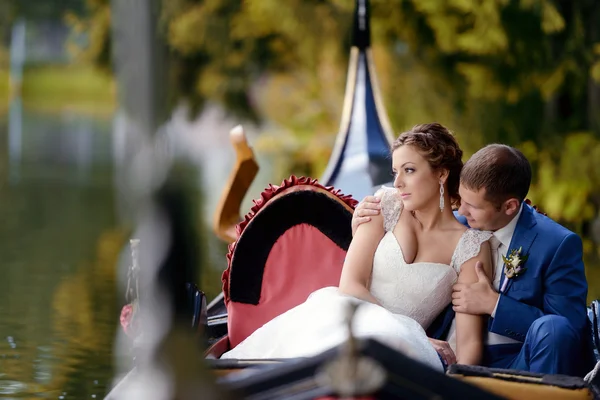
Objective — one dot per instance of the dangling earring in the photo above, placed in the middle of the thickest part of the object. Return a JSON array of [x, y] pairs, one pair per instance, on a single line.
[[441, 197]]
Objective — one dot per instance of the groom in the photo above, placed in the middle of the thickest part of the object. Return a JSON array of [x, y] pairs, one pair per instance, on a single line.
[[537, 305]]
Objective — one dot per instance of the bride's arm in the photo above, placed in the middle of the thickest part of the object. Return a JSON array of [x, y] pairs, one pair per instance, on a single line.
[[470, 328], [358, 265]]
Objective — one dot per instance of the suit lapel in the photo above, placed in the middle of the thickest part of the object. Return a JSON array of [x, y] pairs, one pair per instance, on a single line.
[[523, 237]]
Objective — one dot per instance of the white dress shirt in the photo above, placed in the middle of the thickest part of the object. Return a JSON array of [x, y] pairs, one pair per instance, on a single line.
[[504, 237]]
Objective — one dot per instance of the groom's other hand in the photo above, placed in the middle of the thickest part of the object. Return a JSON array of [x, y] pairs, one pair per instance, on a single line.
[[475, 298], [444, 350], [363, 212]]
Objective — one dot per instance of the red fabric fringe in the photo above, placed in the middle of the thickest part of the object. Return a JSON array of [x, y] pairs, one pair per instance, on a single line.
[[270, 192]]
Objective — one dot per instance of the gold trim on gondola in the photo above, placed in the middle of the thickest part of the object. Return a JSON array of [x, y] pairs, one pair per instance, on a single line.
[[379, 106], [343, 131]]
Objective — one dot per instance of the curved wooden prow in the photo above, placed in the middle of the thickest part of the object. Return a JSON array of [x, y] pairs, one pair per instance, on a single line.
[[227, 215]]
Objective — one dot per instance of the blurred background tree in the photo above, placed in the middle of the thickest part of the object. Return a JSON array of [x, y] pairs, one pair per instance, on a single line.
[[525, 73], [33, 10]]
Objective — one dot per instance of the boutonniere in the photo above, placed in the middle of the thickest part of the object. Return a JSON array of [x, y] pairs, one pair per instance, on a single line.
[[513, 265]]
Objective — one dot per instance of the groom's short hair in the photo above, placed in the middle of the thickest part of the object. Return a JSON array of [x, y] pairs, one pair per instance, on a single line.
[[502, 170]]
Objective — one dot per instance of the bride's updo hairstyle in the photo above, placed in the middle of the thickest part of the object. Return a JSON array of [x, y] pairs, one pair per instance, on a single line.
[[439, 147]]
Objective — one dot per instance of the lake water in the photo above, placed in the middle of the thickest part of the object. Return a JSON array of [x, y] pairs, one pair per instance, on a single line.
[[60, 241]]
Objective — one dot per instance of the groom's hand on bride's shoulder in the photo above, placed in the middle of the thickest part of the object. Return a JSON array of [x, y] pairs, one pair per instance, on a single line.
[[368, 207], [444, 350]]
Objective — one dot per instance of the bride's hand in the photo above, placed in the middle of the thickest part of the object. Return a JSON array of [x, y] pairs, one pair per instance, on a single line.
[[444, 350], [368, 207]]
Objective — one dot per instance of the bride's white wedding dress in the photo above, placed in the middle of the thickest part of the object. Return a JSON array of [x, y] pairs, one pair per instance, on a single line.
[[411, 296]]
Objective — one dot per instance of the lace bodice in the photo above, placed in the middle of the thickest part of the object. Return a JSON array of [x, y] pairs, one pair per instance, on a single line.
[[418, 290]]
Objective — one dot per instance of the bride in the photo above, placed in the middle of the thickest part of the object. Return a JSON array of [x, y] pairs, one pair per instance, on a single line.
[[400, 267]]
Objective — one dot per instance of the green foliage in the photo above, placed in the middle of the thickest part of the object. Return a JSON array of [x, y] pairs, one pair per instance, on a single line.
[[95, 24], [45, 9], [514, 59], [225, 47], [522, 72], [31, 10], [567, 177]]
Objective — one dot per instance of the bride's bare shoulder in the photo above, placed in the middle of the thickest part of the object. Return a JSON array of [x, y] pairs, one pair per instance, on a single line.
[[455, 229]]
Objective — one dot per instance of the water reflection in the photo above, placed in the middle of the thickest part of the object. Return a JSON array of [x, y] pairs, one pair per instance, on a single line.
[[65, 147], [59, 241], [61, 238], [15, 130]]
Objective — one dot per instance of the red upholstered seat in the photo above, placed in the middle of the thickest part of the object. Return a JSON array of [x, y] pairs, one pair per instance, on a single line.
[[292, 243]]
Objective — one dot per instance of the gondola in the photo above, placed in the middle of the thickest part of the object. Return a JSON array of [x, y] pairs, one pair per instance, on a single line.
[[306, 222], [302, 223]]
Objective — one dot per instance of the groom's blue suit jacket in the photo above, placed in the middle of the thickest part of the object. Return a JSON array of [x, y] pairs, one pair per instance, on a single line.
[[553, 283]]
